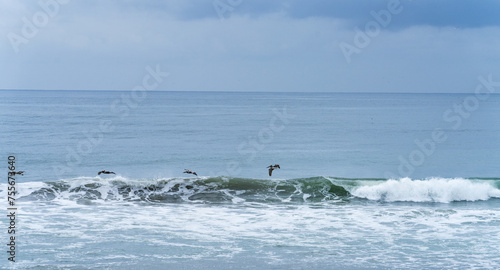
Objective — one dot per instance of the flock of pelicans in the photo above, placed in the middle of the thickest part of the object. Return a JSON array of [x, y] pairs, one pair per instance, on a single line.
[[271, 169]]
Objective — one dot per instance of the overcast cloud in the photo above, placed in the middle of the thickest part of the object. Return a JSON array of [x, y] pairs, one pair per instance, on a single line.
[[245, 45]]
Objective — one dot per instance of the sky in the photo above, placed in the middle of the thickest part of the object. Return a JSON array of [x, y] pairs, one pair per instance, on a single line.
[[438, 46]]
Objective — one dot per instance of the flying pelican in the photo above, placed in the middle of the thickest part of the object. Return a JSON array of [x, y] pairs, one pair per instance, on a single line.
[[105, 172], [191, 172], [273, 167]]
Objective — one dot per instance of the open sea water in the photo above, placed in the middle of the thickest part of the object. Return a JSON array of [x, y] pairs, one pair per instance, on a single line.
[[367, 181]]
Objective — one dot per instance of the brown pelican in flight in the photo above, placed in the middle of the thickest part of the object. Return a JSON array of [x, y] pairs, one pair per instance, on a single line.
[[191, 172], [105, 172], [272, 167]]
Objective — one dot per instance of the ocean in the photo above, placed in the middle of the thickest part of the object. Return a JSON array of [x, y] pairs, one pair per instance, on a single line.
[[366, 180]]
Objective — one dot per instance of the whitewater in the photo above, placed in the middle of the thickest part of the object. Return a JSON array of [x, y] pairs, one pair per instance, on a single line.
[[322, 222], [225, 189]]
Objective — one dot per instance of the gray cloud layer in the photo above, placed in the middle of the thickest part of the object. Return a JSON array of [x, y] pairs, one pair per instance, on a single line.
[[464, 14], [288, 45]]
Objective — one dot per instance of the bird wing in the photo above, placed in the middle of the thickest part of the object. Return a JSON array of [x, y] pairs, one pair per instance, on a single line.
[[270, 171], [99, 173]]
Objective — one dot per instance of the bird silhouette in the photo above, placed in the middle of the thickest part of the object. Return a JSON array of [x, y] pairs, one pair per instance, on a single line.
[[273, 167]]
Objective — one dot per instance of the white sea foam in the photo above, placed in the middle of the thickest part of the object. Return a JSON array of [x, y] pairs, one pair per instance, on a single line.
[[442, 190]]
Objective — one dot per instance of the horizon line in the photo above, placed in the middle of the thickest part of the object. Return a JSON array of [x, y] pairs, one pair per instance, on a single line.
[[237, 91]]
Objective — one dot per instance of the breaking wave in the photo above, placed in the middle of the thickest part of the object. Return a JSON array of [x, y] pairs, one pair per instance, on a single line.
[[222, 189], [443, 190]]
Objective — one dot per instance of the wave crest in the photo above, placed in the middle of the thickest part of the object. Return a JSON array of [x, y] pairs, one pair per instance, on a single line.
[[235, 190], [443, 190], [174, 190]]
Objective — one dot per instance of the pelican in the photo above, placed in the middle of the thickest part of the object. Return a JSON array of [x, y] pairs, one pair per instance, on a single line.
[[273, 167], [105, 172], [191, 172]]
